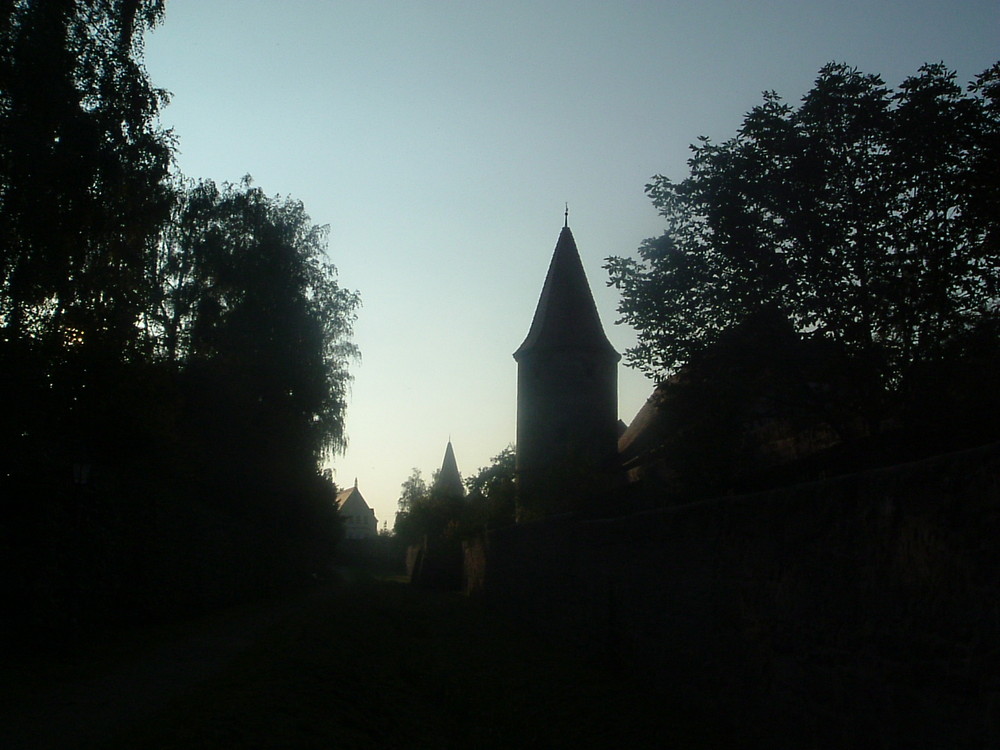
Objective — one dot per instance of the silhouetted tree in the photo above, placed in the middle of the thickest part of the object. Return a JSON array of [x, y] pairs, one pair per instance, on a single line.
[[866, 215], [253, 322], [414, 495], [430, 521], [490, 502], [252, 313], [83, 172], [84, 193], [174, 356], [426, 511], [413, 491], [492, 492]]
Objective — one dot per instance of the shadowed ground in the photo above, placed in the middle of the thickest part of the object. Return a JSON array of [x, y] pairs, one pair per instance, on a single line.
[[365, 664]]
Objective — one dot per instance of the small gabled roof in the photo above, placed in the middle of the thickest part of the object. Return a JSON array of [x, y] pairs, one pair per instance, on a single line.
[[351, 501], [566, 316]]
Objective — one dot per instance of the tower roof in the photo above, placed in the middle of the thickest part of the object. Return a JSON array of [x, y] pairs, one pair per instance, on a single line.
[[566, 316], [449, 480]]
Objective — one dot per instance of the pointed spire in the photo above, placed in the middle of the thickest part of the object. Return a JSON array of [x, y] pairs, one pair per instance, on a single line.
[[566, 316], [449, 480]]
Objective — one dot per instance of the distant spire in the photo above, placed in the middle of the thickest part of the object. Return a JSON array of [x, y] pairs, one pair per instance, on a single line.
[[449, 480], [566, 216]]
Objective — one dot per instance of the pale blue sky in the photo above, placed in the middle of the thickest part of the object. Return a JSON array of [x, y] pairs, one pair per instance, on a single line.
[[440, 140]]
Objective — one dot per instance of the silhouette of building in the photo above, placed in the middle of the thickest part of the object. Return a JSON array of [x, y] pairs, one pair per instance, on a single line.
[[448, 483], [359, 518], [759, 398], [436, 560], [567, 396]]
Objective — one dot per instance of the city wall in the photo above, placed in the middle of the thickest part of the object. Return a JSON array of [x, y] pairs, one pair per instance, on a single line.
[[860, 609]]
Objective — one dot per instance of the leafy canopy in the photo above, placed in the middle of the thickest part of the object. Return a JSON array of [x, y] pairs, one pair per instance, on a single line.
[[866, 215], [246, 290], [427, 511], [84, 171], [174, 354], [492, 491]]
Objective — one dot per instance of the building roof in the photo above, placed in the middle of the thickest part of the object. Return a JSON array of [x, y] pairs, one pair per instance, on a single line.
[[648, 427], [352, 502], [449, 480], [566, 316]]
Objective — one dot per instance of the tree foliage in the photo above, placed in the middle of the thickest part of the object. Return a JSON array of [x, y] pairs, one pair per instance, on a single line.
[[435, 514], [174, 354], [413, 491], [84, 170], [426, 513], [245, 287], [866, 215], [492, 493], [414, 498]]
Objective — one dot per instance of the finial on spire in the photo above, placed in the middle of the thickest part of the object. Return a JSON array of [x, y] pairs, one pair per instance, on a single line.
[[355, 482], [566, 216]]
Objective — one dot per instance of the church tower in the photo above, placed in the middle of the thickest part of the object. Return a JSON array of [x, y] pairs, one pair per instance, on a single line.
[[567, 396]]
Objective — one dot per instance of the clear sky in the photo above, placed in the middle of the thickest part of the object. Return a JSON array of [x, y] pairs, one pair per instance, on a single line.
[[440, 139]]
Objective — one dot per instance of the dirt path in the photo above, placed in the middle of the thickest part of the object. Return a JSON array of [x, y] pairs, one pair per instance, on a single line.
[[365, 665]]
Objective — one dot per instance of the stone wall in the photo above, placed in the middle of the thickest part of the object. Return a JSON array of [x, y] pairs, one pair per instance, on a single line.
[[862, 610]]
